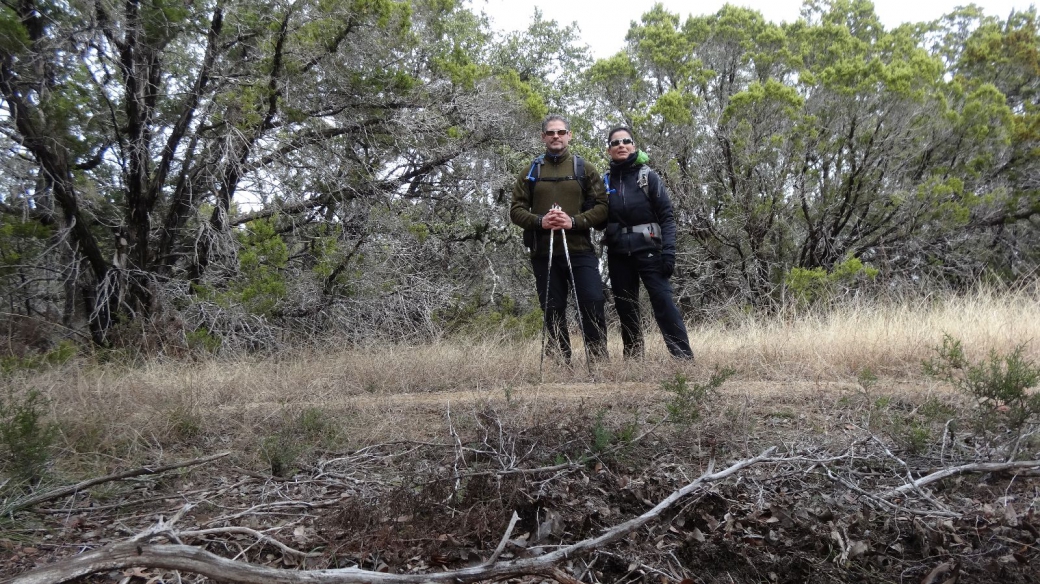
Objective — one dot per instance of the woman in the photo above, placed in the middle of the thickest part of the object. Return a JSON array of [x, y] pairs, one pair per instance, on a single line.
[[640, 239]]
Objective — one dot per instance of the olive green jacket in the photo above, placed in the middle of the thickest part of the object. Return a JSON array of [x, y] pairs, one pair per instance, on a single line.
[[526, 211]]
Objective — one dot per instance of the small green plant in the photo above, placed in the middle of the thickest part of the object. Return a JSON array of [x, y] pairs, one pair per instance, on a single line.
[[810, 286], [26, 437], [315, 425], [281, 453], [627, 433], [203, 340], [934, 410], [1000, 383], [687, 401], [910, 434], [601, 435], [185, 422], [867, 378]]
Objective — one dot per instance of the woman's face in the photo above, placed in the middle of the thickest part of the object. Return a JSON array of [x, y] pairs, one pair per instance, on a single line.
[[620, 146]]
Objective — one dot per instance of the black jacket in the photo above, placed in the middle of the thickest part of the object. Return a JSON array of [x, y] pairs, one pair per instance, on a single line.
[[629, 206]]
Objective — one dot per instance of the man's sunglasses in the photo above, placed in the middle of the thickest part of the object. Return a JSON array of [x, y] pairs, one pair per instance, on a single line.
[[556, 132], [614, 143]]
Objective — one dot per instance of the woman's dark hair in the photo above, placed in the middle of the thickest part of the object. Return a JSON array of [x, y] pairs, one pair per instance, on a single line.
[[617, 129]]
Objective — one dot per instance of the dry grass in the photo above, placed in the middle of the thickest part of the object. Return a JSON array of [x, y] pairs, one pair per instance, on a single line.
[[347, 397], [889, 339]]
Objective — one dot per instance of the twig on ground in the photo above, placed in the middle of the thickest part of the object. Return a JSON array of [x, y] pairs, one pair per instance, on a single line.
[[967, 468], [505, 539], [888, 504], [73, 489], [252, 532]]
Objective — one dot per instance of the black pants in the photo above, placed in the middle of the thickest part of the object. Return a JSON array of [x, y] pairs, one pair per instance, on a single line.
[[625, 273], [591, 301]]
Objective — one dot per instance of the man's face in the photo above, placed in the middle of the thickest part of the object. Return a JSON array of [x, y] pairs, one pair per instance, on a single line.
[[554, 142]]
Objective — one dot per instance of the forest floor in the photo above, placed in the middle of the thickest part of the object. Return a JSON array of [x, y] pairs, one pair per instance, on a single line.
[[426, 482]]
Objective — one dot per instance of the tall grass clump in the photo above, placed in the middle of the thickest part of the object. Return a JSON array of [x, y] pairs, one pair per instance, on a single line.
[[889, 336]]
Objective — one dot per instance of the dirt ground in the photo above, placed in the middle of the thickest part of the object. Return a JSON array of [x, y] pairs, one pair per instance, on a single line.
[[830, 504]]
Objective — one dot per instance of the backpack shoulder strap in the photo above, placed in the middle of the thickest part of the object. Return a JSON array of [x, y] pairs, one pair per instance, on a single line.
[[579, 174], [536, 169], [533, 175], [644, 180]]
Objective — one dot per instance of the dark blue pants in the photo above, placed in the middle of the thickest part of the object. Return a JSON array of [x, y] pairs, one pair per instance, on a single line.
[[591, 301], [626, 271]]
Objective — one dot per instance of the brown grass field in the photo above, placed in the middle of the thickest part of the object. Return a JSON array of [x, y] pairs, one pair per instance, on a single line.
[[384, 453]]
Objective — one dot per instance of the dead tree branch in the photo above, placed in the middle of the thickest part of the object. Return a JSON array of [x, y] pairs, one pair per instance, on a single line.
[[975, 467], [81, 486]]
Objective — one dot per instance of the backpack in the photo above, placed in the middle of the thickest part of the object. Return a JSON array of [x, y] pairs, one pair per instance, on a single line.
[[643, 181], [534, 175]]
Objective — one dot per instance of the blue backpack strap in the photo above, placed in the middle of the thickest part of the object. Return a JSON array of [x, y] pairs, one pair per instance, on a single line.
[[606, 183], [536, 165]]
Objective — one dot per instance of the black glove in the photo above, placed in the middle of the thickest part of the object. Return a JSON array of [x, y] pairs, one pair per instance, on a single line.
[[667, 265]]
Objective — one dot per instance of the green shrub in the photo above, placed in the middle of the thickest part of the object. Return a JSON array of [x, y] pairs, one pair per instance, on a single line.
[[687, 402], [505, 319], [1000, 383], [59, 355], [202, 340], [26, 437], [814, 285]]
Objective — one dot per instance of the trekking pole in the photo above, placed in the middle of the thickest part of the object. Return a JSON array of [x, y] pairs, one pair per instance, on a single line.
[[545, 308], [577, 307]]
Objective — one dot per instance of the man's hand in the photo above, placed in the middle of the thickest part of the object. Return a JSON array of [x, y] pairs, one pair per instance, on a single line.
[[557, 219]]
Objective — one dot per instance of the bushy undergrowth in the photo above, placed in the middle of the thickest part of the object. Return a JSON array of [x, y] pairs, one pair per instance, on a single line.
[[26, 436], [1002, 383]]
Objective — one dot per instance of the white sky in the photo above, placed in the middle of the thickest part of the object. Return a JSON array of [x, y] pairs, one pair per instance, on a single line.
[[604, 23]]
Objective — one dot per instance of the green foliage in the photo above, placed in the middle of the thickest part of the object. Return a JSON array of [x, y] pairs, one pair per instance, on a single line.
[[26, 437], [910, 434], [59, 355], [687, 402], [203, 340], [262, 258], [300, 433], [186, 423], [601, 434], [1001, 383], [813, 285], [867, 378], [505, 320], [281, 453], [603, 437], [261, 282]]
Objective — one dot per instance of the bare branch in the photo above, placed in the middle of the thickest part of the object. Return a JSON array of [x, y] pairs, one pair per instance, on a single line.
[[73, 489]]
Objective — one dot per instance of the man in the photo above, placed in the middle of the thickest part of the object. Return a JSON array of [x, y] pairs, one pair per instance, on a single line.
[[562, 196]]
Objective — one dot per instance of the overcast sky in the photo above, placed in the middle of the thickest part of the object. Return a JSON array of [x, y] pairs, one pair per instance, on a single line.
[[604, 23]]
